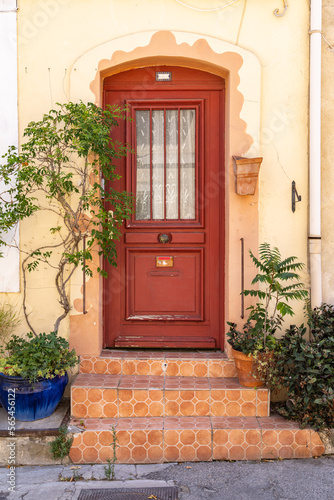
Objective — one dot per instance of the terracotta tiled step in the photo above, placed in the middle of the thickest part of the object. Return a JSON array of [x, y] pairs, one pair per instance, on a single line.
[[180, 439], [106, 396], [179, 364]]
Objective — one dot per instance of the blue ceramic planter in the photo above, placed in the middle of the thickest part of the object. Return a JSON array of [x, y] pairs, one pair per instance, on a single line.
[[32, 401]]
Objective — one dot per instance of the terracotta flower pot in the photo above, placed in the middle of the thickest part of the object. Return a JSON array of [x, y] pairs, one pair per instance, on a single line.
[[244, 365]]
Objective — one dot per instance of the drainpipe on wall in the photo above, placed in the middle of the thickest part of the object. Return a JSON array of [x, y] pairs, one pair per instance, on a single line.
[[315, 152]]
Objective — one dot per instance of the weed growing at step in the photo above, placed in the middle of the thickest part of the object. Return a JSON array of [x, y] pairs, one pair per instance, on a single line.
[[109, 470], [76, 476], [60, 447]]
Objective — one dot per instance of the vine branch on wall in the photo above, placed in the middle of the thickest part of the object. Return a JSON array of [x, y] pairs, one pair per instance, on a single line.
[[59, 171]]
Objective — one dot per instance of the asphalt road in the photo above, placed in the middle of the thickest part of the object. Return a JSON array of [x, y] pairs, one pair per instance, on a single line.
[[311, 479]]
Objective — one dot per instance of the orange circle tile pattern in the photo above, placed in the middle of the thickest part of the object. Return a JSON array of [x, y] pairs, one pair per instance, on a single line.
[[173, 406], [187, 445], [192, 364], [126, 396], [170, 439], [286, 443], [133, 446]]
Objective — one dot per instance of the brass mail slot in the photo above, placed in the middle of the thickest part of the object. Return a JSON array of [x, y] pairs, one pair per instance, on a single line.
[[164, 262]]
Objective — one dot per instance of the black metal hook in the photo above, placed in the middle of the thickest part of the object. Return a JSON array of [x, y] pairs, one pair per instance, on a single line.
[[295, 196]]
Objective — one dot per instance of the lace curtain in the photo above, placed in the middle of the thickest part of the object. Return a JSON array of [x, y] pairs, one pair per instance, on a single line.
[[173, 164]]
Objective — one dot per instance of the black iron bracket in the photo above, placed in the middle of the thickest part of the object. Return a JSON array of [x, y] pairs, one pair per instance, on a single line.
[[295, 196]]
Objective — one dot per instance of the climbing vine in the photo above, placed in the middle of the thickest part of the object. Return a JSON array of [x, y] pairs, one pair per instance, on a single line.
[[61, 170]]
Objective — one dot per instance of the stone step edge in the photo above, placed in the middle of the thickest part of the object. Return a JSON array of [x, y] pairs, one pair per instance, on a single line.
[[157, 440], [173, 366]]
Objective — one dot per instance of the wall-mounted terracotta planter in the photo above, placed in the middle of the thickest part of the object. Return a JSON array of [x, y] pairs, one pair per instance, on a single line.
[[246, 172]]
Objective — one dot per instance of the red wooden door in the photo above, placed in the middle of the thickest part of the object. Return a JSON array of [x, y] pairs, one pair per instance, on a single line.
[[167, 290]]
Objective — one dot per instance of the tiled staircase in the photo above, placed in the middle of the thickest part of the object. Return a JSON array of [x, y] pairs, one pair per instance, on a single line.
[[170, 407]]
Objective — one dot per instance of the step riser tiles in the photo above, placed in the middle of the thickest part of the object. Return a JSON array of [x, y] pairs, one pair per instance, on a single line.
[[189, 439], [176, 407], [103, 396], [134, 363]]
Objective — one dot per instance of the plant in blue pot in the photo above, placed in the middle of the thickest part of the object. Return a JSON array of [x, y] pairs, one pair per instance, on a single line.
[[33, 374]]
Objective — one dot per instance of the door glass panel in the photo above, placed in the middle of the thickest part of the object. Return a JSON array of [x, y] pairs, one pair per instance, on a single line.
[[166, 164], [187, 164], [172, 155], [158, 164], [143, 184]]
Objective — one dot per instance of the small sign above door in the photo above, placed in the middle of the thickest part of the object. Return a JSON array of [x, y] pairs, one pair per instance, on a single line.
[[164, 262], [163, 76]]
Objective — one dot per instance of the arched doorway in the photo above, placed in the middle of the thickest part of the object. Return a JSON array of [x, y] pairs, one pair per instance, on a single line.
[[167, 290]]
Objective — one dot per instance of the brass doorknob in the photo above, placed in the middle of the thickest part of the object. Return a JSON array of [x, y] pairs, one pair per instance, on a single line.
[[164, 238]]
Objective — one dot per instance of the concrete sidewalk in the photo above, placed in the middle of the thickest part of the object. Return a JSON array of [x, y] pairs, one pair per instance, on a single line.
[[311, 479]]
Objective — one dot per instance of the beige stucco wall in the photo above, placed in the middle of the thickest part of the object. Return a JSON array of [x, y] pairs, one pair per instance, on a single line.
[[327, 184], [62, 43]]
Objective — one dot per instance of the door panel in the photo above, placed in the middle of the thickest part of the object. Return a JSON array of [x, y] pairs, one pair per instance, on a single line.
[[158, 292], [167, 289]]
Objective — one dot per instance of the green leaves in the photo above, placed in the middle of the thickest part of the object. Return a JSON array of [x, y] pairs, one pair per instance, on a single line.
[[44, 355], [306, 368], [274, 272], [9, 320], [60, 171], [248, 340], [279, 283], [61, 445]]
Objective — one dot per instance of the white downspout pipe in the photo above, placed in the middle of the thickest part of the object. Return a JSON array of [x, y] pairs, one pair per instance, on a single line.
[[315, 152]]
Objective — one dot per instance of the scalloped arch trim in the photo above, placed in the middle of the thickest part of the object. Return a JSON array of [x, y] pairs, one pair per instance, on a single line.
[[163, 48]]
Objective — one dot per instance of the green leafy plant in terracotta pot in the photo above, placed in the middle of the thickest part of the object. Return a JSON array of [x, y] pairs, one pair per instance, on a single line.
[[280, 284]]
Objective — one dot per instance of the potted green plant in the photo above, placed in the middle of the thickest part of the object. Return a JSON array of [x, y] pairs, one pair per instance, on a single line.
[[33, 374], [281, 283], [65, 169], [249, 343]]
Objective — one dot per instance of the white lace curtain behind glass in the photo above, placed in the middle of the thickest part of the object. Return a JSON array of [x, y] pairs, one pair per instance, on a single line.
[[166, 169]]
